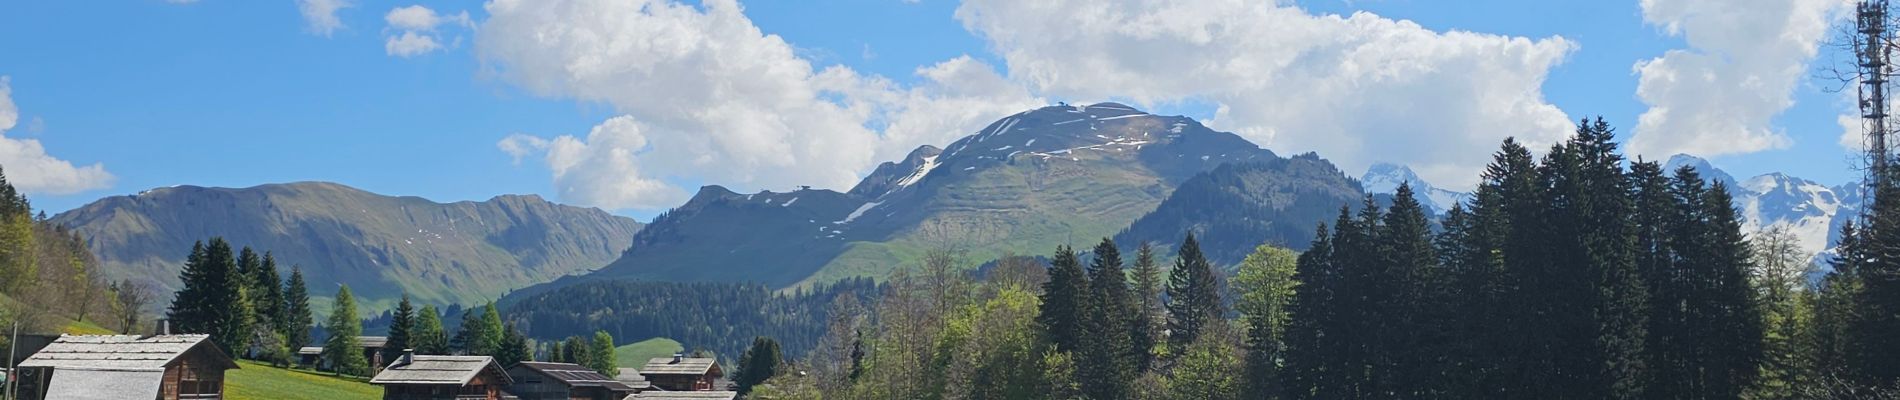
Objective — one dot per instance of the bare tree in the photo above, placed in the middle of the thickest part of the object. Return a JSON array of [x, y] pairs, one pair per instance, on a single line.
[[128, 299]]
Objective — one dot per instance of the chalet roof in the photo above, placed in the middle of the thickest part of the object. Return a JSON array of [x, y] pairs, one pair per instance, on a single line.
[[310, 350], [100, 384], [373, 341], [631, 377], [574, 375], [438, 370], [703, 395], [122, 352], [678, 366]]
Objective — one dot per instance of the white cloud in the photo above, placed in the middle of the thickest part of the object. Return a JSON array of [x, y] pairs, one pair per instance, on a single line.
[[409, 43], [520, 146], [29, 168], [1743, 62], [412, 30], [1357, 89], [709, 97], [319, 16]]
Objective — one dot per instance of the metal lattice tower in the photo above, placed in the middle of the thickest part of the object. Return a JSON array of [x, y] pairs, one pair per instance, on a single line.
[[1873, 44]]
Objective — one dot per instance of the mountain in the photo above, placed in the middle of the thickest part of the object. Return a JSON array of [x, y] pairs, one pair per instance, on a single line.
[[1813, 212], [1021, 185], [454, 253], [1384, 178], [1236, 207]]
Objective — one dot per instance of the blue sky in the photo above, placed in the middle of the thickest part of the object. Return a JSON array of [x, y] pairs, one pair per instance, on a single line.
[[239, 93]]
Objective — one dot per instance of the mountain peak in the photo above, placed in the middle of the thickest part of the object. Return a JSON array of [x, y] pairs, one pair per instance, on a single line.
[[1709, 172], [1385, 178]]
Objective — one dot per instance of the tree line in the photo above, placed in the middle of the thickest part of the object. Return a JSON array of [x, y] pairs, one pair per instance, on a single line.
[[721, 318], [1577, 275], [239, 299], [49, 280]]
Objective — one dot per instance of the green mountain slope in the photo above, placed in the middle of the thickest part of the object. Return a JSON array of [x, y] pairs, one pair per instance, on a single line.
[[461, 253], [1021, 185], [1237, 207]]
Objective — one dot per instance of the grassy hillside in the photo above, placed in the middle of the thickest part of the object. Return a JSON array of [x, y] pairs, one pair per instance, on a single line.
[[381, 246], [636, 354], [255, 381]]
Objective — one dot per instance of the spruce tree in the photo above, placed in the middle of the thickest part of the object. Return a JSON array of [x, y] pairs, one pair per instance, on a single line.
[[268, 296], [601, 354], [515, 348], [1106, 360], [578, 351], [1310, 352], [343, 349], [297, 311], [1150, 318], [429, 337], [759, 363], [1063, 301], [402, 326], [1194, 303], [1410, 301], [1734, 339], [557, 353], [212, 301], [1877, 303], [488, 339]]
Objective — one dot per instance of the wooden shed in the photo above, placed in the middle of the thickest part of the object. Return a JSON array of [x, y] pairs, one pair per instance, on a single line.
[[121, 367], [416, 377], [563, 381], [680, 373]]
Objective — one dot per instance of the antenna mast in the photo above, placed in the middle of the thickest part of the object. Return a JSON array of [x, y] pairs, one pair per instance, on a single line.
[[1873, 50]]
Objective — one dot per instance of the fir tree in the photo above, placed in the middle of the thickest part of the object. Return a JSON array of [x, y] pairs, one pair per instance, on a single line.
[[402, 326], [1410, 303], [1063, 301], [1194, 303], [297, 311], [1151, 317], [487, 341], [601, 354], [343, 349], [212, 301], [1310, 349], [429, 337], [759, 363], [515, 348], [1106, 360], [269, 301]]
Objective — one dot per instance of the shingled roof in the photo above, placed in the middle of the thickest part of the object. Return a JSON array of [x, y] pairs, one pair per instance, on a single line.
[[438, 370], [574, 375], [678, 366], [121, 352], [701, 395]]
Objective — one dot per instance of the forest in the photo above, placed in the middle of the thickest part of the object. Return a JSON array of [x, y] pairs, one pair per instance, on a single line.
[[721, 318], [1577, 275], [50, 282]]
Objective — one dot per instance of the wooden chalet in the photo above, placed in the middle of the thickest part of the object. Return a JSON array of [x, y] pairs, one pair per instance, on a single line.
[[312, 356], [124, 367], [416, 377], [683, 374], [562, 381]]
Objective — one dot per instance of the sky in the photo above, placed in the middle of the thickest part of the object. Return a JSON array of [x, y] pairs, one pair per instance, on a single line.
[[631, 105]]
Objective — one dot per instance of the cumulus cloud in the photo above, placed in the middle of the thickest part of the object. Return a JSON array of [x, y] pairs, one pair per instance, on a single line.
[[1743, 62], [29, 168], [705, 95], [1357, 89], [413, 30], [319, 16]]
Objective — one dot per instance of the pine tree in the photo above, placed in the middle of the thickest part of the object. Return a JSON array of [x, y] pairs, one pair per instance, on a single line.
[[468, 338], [1194, 303], [212, 301], [1106, 360], [402, 326], [429, 337], [343, 349], [759, 363], [1151, 317], [601, 354], [297, 310], [1063, 301]]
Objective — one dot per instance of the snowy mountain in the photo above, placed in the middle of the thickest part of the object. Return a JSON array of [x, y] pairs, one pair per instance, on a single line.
[[1384, 178], [1811, 211]]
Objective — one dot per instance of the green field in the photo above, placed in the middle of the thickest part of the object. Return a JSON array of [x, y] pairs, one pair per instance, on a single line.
[[635, 355], [262, 381]]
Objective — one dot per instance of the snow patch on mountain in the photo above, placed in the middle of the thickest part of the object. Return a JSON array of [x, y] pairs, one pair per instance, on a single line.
[[1384, 178]]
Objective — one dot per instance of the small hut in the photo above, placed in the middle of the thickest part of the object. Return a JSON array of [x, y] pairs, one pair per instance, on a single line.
[[683, 374], [414, 377], [563, 381]]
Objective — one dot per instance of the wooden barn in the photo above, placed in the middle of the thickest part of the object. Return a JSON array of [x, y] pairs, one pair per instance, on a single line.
[[414, 377], [683, 374], [123, 367], [562, 381]]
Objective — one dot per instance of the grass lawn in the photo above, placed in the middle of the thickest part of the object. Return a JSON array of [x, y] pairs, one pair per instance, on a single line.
[[635, 355], [262, 381], [87, 328]]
